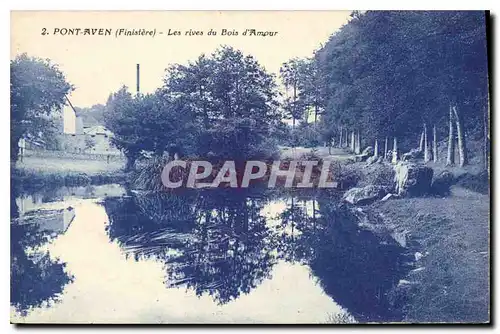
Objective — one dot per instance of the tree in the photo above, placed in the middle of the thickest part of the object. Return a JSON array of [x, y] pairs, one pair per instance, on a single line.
[[122, 118], [231, 102], [38, 89], [386, 73], [290, 73], [147, 123]]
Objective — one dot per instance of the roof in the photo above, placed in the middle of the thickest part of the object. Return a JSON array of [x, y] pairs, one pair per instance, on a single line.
[[97, 130]]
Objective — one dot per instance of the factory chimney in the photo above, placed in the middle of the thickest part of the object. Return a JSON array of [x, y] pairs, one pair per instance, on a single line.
[[138, 87]]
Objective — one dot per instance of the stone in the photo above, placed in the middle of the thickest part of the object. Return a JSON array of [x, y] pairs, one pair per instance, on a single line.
[[412, 179], [368, 151], [361, 157], [364, 195], [412, 155], [400, 237], [404, 282], [371, 160], [442, 182], [388, 197]]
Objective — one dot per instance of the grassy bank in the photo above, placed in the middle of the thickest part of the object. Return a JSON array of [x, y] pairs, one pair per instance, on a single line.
[[31, 180], [450, 237]]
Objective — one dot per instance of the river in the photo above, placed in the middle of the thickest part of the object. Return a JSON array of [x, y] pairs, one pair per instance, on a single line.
[[105, 254]]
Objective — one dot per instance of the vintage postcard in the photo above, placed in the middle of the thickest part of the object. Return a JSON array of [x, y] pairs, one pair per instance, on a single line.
[[249, 167]]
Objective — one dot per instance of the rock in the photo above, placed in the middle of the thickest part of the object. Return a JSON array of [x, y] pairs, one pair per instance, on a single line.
[[400, 237], [442, 182], [412, 155], [371, 160], [418, 256], [365, 195], [404, 282], [368, 151], [388, 197], [361, 157], [412, 179]]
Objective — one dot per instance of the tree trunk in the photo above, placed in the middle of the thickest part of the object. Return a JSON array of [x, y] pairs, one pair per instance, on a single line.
[[375, 150], [341, 142], [486, 138], [353, 144], [450, 159], [462, 150], [395, 151], [386, 147], [434, 144], [357, 144], [426, 145], [14, 148], [421, 146]]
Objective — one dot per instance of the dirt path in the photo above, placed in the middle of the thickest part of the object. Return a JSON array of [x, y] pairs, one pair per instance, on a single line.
[[321, 151]]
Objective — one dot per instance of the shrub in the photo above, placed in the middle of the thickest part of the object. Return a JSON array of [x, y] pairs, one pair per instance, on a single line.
[[380, 174], [476, 182], [348, 175]]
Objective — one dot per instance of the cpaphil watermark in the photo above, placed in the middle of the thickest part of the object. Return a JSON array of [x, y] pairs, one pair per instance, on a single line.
[[202, 174]]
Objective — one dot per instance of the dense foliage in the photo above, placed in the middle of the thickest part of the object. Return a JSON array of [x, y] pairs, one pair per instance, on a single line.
[[218, 107], [37, 90], [385, 74]]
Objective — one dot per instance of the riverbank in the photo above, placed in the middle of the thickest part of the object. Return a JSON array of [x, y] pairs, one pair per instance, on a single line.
[[31, 180], [450, 239], [448, 236]]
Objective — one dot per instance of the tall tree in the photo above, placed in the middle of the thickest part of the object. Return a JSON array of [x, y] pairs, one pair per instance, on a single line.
[[231, 98], [388, 72], [38, 89]]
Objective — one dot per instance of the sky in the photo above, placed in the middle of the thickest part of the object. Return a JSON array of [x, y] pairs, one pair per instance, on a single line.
[[100, 65]]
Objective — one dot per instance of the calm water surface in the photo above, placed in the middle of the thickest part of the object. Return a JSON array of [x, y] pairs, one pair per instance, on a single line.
[[102, 254]]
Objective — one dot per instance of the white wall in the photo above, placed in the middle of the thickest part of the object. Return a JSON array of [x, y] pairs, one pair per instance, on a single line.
[[69, 120]]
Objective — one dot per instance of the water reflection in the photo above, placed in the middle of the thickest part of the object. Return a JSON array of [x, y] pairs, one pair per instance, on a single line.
[[228, 246], [36, 278], [214, 243]]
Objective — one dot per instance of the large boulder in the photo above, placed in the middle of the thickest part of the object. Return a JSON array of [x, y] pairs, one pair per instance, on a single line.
[[361, 157], [412, 179], [412, 155], [368, 151], [364, 195], [442, 182]]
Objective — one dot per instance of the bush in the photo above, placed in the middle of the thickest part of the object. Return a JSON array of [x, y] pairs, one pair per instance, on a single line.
[[476, 182], [380, 174], [348, 175]]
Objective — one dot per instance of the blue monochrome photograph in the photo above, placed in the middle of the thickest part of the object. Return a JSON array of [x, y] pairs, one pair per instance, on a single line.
[[250, 167]]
